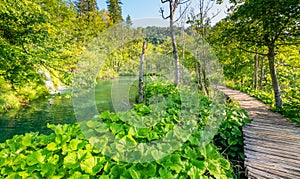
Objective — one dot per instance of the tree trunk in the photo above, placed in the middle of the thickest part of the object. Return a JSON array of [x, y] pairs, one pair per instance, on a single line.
[[198, 73], [262, 64], [141, 75], [175, 50], [183, 50], [275, 84], [255, 80], [200, 81], [206, 91], [205, 82]]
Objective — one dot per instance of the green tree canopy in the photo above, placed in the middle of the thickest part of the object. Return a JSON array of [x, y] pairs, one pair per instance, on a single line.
[[128, 21], [85, 6], [266, 24], [115, 10]]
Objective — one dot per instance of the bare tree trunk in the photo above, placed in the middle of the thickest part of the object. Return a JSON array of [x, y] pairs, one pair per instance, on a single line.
[[174, 45], [199, 73], [205, 82], [275, 84], [141, 75], [206, 91], [183, 49], [200, 78], [255, 82], [173, 5], [262, 64]]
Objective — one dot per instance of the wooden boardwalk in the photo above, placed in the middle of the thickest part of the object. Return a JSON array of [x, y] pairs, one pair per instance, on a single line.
[[272, 143]]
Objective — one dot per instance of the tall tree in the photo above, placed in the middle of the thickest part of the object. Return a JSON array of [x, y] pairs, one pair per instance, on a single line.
[[201, 23], [128, 21], [268, 24], [85, 6], [173, 5], [115, 10], [141, 74]]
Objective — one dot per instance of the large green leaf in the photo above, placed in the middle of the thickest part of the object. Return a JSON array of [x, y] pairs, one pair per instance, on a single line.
[[48, 170], [70, 161], [35, 158], [52, 146], [115, 127], [27, 140], [89, 164], [165, 173], [134, 173]]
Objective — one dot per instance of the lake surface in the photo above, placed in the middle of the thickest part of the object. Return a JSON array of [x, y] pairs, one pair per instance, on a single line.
[[58, 109]]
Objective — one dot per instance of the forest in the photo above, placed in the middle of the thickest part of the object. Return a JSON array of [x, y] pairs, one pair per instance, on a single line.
[[113, 100]]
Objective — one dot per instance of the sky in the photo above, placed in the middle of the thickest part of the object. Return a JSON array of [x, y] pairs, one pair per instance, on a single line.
[[148, 10]]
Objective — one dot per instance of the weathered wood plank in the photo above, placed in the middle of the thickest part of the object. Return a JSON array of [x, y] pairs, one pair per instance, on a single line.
[[259, 171], [274, 140], [285, 124], [292, 139], [270, 170], [267, 126], [270, 144], [271, 157], [271, 166], [272, 150]]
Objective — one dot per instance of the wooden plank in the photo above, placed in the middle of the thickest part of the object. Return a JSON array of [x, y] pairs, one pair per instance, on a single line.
[[252, 175], [281, 122], [287, 126], [272, 135], [278, 152], [259, 124], [254, 154], [273, 129], [278, 146], [288, 143], [282, 167], [272, 170], [260, 172]]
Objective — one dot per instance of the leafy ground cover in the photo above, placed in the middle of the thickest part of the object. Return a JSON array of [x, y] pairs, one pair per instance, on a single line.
[[109, 145]]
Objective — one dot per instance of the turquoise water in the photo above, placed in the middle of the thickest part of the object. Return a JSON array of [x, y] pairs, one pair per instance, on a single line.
[[59, 109]]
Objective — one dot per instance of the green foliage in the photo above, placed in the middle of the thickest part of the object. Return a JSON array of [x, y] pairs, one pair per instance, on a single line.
[[263, 23], [88, 149], [42, 36], [128, 21], [66, 153], [83, 7], [253, 26], [230, 136], [115, 10], [8, 98]]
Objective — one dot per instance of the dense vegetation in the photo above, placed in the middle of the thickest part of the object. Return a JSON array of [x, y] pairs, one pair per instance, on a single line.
[[42, 36], [75, 150], [258, 45], [167, 135]]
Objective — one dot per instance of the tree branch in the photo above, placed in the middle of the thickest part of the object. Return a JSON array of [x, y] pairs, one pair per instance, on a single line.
[[179, 3], [162, 14], [249, 51], [184, 12], [164, 1], [281, 30], [25, 49]]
